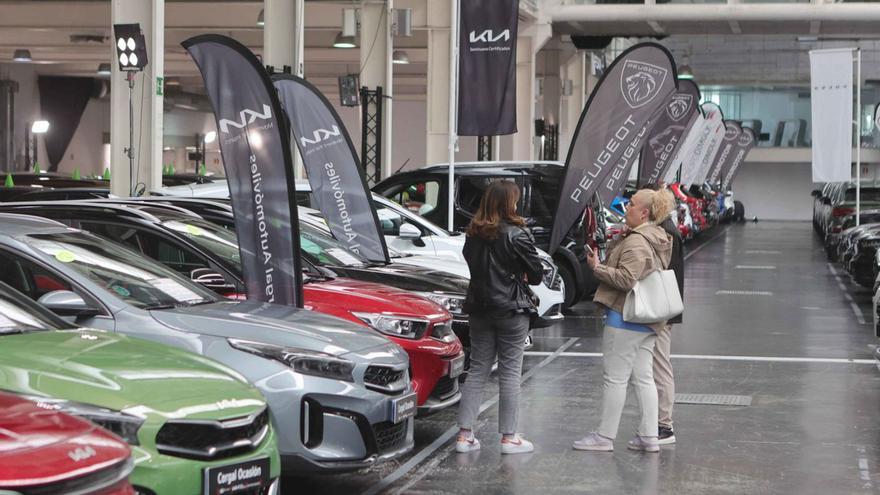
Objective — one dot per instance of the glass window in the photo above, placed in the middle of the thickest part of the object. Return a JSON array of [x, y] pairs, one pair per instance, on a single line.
[[470, 192], [132, 278], [322, 249], [419, 197]]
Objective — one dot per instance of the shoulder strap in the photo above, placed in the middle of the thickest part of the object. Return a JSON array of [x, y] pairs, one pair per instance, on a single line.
[[653, 249]]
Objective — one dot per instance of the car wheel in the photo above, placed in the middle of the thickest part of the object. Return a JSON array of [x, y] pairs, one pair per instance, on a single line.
[[570, 283], [739, 212]]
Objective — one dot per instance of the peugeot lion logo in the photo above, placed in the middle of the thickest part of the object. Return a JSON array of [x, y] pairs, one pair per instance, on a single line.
[[745, 139], [320, 135], [679, 106], [489, 36], [247, 116], [658, 143], [730, 133], [641, 82]]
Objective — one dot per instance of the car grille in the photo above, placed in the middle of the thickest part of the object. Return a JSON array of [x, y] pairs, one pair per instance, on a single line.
[[462, 329], [385, 379], [446, 387], [389, 436], [195, 439]]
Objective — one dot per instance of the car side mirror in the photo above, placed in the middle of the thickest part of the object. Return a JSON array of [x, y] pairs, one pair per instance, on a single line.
[[67, 303], [210, 279], [826, 201], [816, 193], [409, 232]]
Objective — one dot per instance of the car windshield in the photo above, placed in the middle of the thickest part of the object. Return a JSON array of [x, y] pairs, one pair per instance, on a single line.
[[18, 314], [866, 194], [321, 248], [221, 243], [131, 277]]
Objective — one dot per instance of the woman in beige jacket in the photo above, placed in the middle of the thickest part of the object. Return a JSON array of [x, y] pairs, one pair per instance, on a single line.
[[627, 348]]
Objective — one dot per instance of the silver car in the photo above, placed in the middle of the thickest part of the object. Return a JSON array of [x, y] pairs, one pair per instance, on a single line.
[[340, 396]]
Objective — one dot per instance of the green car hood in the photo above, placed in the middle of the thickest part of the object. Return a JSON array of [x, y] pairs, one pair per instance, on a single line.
[[123, 374]]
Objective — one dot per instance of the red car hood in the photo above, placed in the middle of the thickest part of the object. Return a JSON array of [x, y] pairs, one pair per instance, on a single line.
[[345, 294], [39, 446]]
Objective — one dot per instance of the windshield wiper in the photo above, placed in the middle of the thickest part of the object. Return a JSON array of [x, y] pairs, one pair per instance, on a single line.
[[159, 306]]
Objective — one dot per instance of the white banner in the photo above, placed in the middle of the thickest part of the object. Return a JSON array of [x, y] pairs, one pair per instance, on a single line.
[[831, 93], [705, 146], [686, 150]]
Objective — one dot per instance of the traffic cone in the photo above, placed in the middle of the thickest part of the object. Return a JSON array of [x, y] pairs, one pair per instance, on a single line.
[[76, 175], [9, 182], [106, 175], [37, 168], [203, 169]]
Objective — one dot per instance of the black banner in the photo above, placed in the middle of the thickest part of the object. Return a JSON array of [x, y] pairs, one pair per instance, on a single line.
[[335, 173], [668, 133], [636, 85], [732, 132], [255, 145], [487, 67], [744, 145]]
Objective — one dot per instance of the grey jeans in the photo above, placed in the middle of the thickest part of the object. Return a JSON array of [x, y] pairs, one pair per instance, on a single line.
[[506, 338]]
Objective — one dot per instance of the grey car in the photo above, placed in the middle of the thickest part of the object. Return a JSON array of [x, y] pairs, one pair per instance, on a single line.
[[340, 397]]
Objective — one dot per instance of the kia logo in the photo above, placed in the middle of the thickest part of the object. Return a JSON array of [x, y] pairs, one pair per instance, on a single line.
[[81, 453], [247, 117], [320, 135], [489, 36]]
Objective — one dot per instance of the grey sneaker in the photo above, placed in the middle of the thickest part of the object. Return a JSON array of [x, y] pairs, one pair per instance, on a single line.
[[644, 444], [594, 442]]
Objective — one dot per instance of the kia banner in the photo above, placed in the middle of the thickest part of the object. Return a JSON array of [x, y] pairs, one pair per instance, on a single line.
[[255, 146], [744, 145], [704, 146], [487, 67], [668, 133], [339, 186], [732, 131], [632, 89]]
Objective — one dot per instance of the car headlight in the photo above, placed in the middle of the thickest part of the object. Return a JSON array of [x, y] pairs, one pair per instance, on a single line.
[[395, 326], [125, 426], [453, 303], [312, 363], [549, 272]]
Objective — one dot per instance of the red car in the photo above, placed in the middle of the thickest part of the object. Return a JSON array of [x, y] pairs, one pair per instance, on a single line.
[[45, 451], [435, 354]]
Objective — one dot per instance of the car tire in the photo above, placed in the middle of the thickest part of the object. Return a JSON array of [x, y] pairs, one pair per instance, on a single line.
[[739, 212], [571, 290]]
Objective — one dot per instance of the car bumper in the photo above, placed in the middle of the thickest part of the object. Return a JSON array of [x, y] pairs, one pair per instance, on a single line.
[[330, 426], [157, 474]]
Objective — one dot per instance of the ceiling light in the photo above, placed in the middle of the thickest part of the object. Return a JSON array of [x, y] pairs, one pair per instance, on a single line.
[[260, 21], [684, 70], [103, 69], [40, 127], [210, 137], [342, 41], [400, 57], [21, 56]]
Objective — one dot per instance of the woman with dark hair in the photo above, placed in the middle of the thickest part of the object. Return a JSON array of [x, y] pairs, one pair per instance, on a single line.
[[502, 258]]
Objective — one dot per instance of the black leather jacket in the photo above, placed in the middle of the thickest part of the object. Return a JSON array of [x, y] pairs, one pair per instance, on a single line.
[[498, 269]]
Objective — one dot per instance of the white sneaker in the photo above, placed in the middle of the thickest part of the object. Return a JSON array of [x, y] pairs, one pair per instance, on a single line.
[[518, 445], [464, 445], [594, 442], [644, 444]]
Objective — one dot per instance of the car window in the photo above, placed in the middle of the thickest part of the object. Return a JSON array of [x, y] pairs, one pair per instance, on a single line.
[[420, 197], [390, 221], [130, 276], [32, 279], [470, 193], [866, 194]]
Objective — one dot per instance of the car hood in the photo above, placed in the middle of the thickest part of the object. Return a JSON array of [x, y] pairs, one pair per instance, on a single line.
[[39, 445], [123, 374], [272, 324], [357, 295], [447, 265], [406, 277]]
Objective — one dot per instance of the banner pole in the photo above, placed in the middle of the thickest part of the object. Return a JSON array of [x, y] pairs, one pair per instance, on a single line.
[[453, 110], [858, 134]]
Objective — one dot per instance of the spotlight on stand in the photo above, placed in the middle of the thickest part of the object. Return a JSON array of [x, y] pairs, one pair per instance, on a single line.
[[131, 53]]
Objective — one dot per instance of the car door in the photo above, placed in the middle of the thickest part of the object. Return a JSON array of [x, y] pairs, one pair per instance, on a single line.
[[34, 279]]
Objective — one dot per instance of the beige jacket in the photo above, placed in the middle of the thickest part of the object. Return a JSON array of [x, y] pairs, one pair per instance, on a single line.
[[631, 259]]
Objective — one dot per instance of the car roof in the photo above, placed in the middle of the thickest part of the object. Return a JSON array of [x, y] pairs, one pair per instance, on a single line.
[[16, 224], [117, 206], [483, 168]]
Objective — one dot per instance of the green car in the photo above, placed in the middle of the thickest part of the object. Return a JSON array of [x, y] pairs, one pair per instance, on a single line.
[[195, 426]]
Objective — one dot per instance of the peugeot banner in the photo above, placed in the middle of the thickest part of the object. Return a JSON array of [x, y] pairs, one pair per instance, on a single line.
[[487, 67], [633, 88], [710, 135], [668, 133], [732, 131], [338, 183], [744, 145], [255, 146]]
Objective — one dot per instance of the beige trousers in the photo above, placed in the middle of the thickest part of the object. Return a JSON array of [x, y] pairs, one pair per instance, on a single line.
[[663, 377]]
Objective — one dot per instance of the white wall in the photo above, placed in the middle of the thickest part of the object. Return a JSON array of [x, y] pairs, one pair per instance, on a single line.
[[86, 150], [775, 191]]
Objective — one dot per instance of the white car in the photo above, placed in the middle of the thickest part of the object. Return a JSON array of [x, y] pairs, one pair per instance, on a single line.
[[411, 240]]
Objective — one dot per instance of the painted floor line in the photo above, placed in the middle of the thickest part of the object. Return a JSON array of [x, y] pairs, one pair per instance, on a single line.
[[858, 311], [710, 357], [701, 246], [452, 431], [755, 267]]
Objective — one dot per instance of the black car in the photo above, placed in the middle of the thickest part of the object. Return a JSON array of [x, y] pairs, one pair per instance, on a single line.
[[425, 191]]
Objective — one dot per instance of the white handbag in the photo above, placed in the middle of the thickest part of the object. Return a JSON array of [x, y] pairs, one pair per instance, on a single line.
[[653, 299]]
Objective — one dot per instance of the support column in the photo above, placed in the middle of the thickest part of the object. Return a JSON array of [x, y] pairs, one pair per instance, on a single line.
[[283, 34], [550, 96], [147, 101], [521, 146], [439, 14], [573, 98], [376, 46]]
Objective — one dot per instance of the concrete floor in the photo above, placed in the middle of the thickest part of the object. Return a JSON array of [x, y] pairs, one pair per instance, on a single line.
[[812, 427]]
